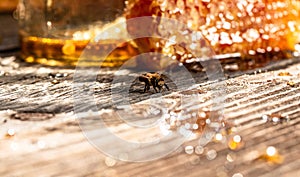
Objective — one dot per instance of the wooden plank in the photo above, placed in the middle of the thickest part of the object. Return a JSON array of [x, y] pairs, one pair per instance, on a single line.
[[49, 142]]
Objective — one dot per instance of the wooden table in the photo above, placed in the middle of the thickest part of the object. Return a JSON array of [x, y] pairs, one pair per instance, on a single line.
[[45, 131], [41, 136]]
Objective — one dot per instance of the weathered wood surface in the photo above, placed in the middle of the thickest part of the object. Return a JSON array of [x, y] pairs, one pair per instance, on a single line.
[[48, 140]]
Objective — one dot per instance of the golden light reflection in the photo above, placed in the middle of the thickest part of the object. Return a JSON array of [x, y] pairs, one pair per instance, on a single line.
[[10, 132], [271, 155], [235, 142]]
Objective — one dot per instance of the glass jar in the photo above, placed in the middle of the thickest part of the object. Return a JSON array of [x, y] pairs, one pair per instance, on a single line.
[[9, 28], [8, 5], [55, 32]]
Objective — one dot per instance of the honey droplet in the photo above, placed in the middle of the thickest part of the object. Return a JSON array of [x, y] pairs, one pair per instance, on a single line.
[[211, 154], [202, 120], [271, 155], [55, 81], [189, 149], [236, 142], [69, 48], [10, 133], [199, 150], [275, 118], [285, 73], [271, 151], [218, 137], [291, 83]]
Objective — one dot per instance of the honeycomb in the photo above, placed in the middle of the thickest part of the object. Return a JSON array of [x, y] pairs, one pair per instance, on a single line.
[[260, 29]]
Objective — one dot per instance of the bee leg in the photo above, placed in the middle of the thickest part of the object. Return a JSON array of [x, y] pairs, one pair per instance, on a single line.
[[155, 89], [166, 86], [145, 88]]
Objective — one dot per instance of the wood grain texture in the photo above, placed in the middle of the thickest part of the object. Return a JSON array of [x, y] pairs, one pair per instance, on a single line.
[[38, 104]]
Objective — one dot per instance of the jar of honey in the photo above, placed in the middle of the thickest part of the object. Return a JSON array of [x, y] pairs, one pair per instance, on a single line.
[[55, 32]]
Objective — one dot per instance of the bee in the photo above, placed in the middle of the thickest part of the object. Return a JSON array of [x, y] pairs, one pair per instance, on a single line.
[[153, 79]]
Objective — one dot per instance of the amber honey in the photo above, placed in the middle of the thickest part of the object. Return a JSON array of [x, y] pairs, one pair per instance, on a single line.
[[66, 52], [61, 33]]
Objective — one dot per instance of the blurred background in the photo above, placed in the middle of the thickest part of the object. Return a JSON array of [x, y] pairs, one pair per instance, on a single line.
[[9, 40]]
